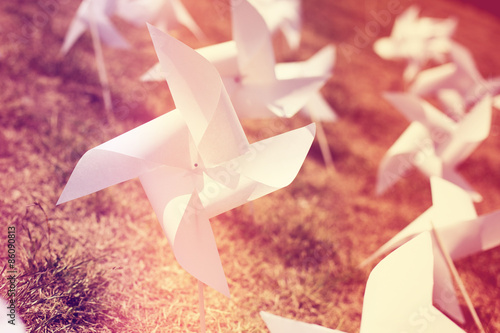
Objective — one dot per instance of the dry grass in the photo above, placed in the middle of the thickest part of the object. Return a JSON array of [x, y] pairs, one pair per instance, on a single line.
[[110, 267]]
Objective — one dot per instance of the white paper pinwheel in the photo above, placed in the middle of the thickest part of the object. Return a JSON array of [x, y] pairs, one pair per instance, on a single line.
[[258, 88], [398, 296], [283, 15], [461, 230], [457, 84], [193, 162], [277, 324], [96, 12], [416, 40], [399, 292], [10, 322], [165, 14], [433, 143]]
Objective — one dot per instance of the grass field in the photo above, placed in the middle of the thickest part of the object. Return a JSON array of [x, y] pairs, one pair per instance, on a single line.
[[102, 263]]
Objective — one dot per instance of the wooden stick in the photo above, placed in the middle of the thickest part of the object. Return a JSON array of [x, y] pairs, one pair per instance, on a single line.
[[101, 69], [458, 280], [323, 145], [323, 142], [201, 305]]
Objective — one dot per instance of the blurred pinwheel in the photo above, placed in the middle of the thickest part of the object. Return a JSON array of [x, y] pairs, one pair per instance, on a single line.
[[282, 15], [417, 40], [457, 84], [433, 143]]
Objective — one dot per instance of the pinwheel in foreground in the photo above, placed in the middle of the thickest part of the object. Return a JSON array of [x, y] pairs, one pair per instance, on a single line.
[[433, 142], [417, 40], [398, 296], [463, 234], [257, 86], [193, 162]]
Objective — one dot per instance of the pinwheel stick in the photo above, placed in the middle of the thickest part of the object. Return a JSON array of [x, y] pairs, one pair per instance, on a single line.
[[101, 68], [458, 280], [201, 305], [323, 145]]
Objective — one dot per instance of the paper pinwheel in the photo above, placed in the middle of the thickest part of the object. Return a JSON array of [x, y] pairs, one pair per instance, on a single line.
[[257, 86], [96, 12], [433, 142], [165, 14], [193, 162], [416, 40], [399, 292], [283, 15], [398, 296], [462, 231], [457, 84]]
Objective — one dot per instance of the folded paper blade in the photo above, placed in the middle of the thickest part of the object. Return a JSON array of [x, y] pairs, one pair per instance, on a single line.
[[318, 109], [224, 57], [172, 194], [433, 79], [413, 146], [253, 40], [184, 18], [284, 15], [98, 169], [419, 225], [416, 109], [282, 98], [194, 245], [200, 97], [473, 129], [320, 64], [399, 292], [161, 141], [77, 28], [450, 203], [276, 161]]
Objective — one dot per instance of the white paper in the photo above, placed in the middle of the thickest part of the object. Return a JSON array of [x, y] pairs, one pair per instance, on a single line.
[[399, 292], [398, 296], [282, 15], [433, 143], [416, 40], [461, 230], [187, 176], [258, 87]]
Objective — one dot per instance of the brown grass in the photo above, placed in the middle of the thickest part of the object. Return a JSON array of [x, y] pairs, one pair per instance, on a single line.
[[110, 268]]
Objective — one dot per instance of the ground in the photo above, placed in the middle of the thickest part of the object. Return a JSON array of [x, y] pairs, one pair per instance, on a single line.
[[102, 264]]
